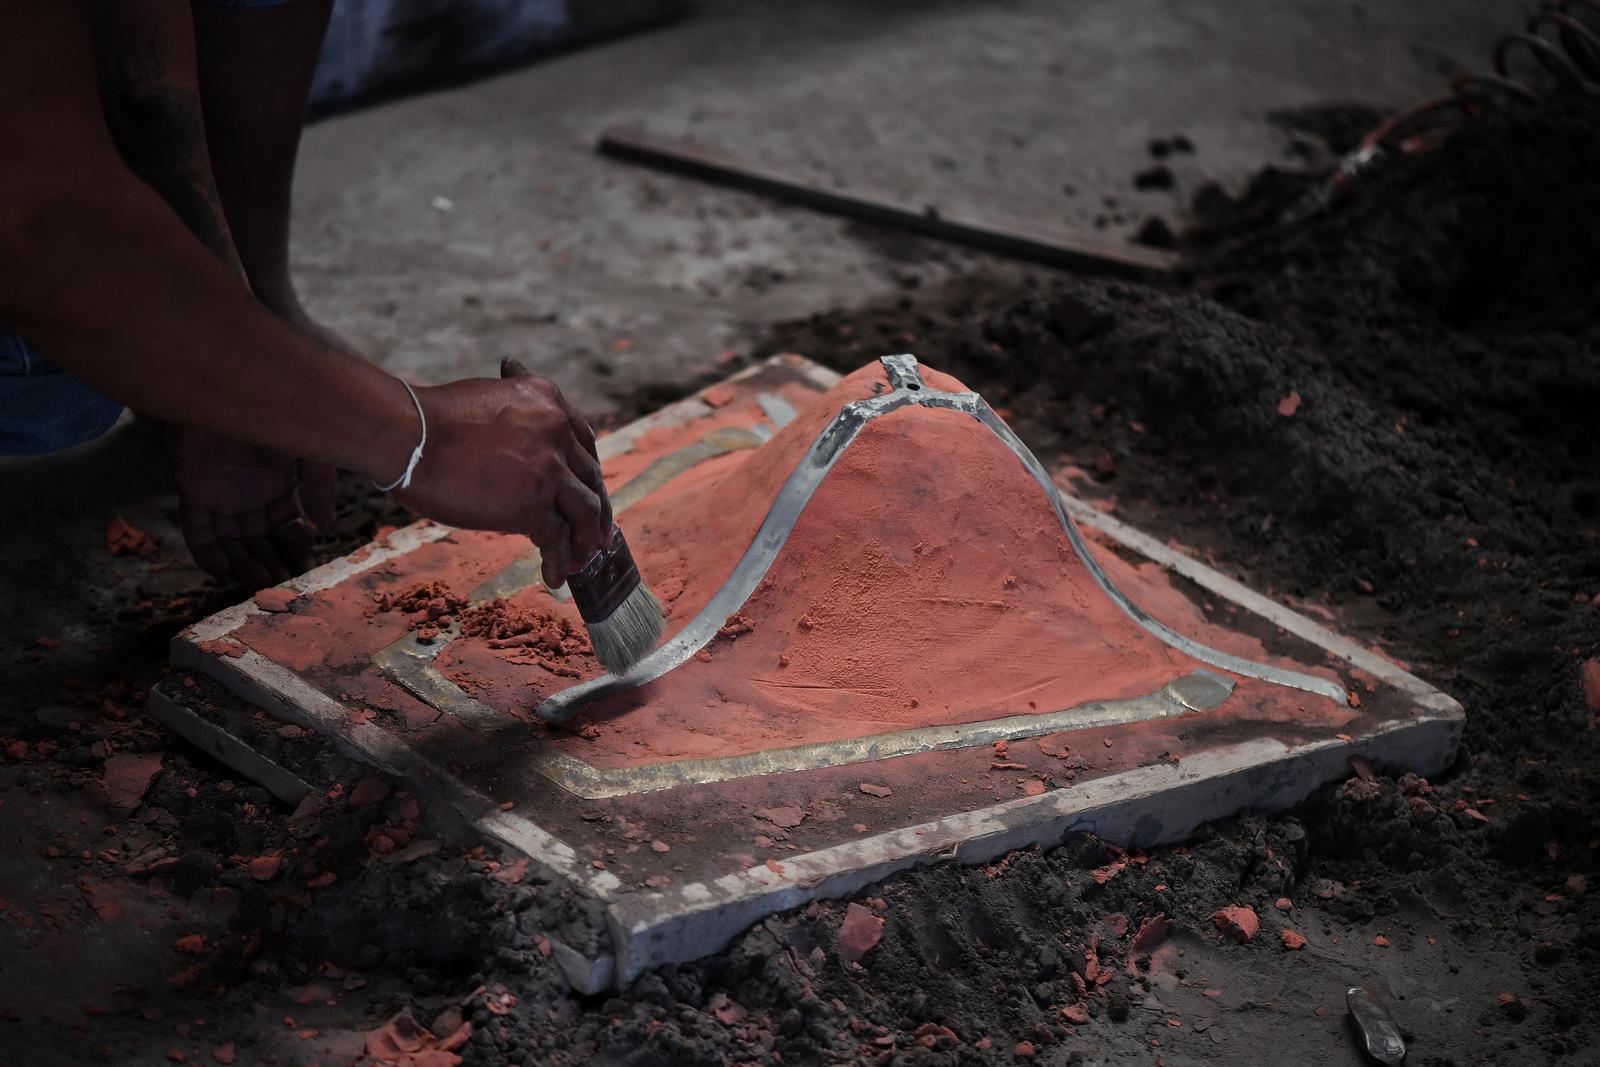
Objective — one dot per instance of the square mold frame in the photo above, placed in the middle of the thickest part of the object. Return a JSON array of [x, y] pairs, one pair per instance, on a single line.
[[1146, 805]]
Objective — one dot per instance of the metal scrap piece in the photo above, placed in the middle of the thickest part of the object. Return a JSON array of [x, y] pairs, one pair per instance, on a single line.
[[1379, 1033]]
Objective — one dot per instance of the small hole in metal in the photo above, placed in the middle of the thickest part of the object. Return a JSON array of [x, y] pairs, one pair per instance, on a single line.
[[913, 385]]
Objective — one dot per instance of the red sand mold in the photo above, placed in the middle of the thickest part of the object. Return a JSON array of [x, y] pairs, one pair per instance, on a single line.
[[928, 581]]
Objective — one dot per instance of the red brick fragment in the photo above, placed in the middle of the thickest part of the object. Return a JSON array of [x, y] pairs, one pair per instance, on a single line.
[[1076, 1013], [265, 868], [875, 790], [224, 1054], [1151, 934], [126, 779], [859, 933], [1238, 922], [123, 538], [1292, 940], [1381, 941], [1289, 404]]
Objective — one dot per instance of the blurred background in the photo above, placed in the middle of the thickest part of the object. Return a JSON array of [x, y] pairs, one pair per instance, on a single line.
[[451, 208]]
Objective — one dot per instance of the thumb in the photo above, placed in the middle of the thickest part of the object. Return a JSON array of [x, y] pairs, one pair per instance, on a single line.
[[512, 368]]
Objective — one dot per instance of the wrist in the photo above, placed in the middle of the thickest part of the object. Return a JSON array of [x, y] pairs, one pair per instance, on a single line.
[[403, 482], [392, 429]]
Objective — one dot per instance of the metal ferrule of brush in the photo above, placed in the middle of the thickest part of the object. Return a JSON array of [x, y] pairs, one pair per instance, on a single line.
[[601, 585]]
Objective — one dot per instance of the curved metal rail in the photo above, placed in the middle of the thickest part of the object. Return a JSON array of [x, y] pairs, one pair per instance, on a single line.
[[908, 390]]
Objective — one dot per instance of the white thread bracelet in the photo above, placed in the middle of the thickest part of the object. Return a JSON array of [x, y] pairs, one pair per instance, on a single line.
[[404, 481]]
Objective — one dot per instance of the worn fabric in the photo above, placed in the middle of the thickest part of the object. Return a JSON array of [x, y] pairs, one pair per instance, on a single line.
[[42, 407]]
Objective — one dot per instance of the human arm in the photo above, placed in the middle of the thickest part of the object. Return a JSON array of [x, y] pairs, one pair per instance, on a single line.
[[98, 272]]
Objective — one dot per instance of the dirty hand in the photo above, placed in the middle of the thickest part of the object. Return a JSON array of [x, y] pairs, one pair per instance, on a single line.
[[513, 456], [247, 512]]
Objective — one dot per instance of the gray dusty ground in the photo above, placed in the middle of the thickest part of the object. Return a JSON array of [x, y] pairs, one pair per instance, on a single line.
[[612, 277]]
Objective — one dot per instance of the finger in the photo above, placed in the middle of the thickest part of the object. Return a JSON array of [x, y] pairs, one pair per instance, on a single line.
[[581, 508], [587, 468], [549, 531], [580, 426], [242, 566], [201, 537], [290, 532], [255, 533], [319, 493], [511, 367]]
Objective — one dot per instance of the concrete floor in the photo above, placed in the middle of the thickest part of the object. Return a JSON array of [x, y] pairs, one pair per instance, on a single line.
[[611, 278]]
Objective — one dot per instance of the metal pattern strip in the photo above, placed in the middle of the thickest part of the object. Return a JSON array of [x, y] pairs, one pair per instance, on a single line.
[[796, 493], [1198, 691]]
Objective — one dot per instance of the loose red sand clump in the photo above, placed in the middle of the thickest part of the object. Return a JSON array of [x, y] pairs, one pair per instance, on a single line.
[[276, 599], [433, 600], [540, 637]]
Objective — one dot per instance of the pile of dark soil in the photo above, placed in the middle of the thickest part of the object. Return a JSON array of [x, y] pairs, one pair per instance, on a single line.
[[1391, 411]]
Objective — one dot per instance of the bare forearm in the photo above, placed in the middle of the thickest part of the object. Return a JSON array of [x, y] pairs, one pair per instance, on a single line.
[[118, 292]]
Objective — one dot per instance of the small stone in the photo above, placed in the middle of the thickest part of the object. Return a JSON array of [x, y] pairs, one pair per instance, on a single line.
[[1156, 233], [875, 790], [1292, 941], [1157, 177]]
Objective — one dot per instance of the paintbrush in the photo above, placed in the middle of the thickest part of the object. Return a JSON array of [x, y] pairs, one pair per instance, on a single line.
[[624, 617]]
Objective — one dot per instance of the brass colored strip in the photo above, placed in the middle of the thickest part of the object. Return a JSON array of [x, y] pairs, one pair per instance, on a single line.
[[1198, 691]]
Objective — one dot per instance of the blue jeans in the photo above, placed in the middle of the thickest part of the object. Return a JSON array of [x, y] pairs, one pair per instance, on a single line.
[[42, 407]]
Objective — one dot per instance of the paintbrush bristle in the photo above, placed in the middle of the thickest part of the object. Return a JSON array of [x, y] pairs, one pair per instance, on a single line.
[[631, 631], [624, 617]]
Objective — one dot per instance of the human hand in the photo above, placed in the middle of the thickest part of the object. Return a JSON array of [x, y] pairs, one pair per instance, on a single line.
[[247, 513], [512, 455]]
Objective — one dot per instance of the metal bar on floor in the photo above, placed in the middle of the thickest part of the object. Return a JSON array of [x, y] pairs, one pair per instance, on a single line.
[[1033, 242]]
